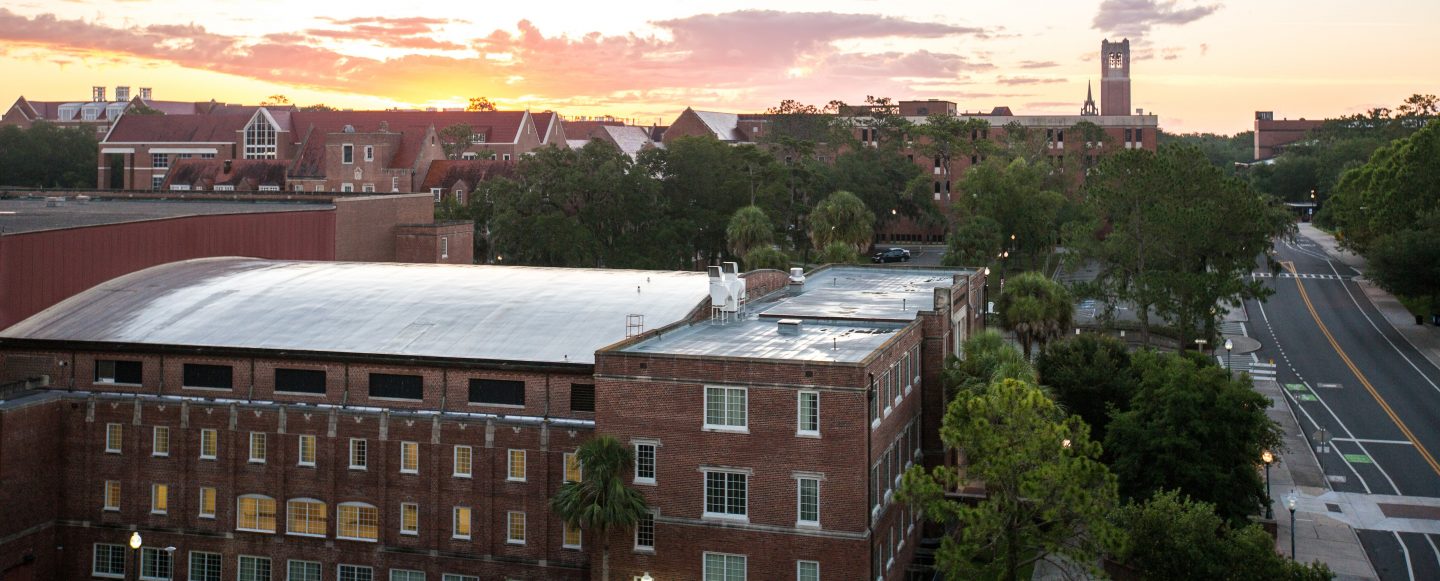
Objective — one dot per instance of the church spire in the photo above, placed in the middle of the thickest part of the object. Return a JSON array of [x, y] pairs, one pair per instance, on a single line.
[[1089, 108]]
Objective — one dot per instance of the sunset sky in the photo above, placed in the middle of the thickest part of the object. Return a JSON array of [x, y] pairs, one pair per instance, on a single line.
[[1202, 66]]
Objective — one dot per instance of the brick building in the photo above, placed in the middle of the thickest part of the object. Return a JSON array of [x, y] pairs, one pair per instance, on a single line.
[[99, 112], [1271, 135], [294, 426]]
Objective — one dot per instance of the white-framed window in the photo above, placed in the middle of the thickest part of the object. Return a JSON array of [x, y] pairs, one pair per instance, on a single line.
[[726, 493], [354, 573], [726, 408], [207, 502], [159, 499], [406, 575], [570, 536], [460, 196], [268, 188], [225, 188], [409, 518], [505, 157], [886, 390], [306, 457], [437, 192], [724, 567], [807, 500], [251, 568], [358, 522], [257, 447], [209, 443], [114, 438], [515, 467], [112, 495], [347, 154], [359, 457], [302, 570], [444, 247], [464, 462], [460, 523], [645, 462], [160, 160], [156, 564], [807, 421], [305, 517], [573, 473], [409, 457], [369, 153], [645, 533], [109, 561], [160, 441], [297, 187], [457, 577], [915, 363], [347, 187], [205, 566], [395, 183], [260, 140], [156, 181], [367, 187], [255, 513], [807, 571], [515, 528]]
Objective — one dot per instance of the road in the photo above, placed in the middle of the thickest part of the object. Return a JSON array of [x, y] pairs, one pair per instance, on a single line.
[[1347, 370]]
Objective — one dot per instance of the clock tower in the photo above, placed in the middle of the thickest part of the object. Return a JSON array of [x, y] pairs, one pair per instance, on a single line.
[[1115, 77]]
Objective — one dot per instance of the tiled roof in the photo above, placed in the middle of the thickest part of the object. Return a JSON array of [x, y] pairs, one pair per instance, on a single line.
[[543, 122], [177, 128], [244, 174], [445, 173], [582, 129], [312, 126]]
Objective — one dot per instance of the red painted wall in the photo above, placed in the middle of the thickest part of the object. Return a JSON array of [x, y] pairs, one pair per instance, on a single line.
[[39, 269]]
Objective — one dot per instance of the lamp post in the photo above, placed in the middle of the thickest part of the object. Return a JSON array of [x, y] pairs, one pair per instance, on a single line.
[[135, 543], [1268, 458], [1229, 345], [985, 318], [1291, 503]]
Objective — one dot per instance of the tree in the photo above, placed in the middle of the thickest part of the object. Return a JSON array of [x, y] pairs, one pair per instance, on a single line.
[[455, 139], [480, 104], [837, 253], [46, 155], [749, 229], [766, 257], [1090, 376], [975, 241], [275, 101], [1035, 308], [1191, 427], [1046, 494], [1407, 263], [1013, 194], [988, 358], [601, 501], [842, 218], [142, 109], [318, 107]]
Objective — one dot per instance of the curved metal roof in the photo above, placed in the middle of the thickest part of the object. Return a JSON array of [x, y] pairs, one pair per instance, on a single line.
[[507, 313]]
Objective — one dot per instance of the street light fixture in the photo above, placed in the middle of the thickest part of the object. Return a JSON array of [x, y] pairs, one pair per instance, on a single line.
[[135, 543], [1229, 345], [1291, 503], [1268, 458]]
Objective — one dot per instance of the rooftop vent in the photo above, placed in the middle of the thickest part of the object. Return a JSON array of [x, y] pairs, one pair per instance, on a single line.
[[348, 129], [788, 326], [122, 93], [144, 93], [797, 275]]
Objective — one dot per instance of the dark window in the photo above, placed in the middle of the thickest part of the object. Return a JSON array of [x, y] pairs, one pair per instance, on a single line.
[[213, 376], [107, 371], [300, 380], [582, 397], [1138, 137], [396, 386], [497, 391], [1129, 135]]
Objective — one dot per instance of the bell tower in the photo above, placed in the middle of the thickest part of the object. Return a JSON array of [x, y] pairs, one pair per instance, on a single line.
[[1115, 77]]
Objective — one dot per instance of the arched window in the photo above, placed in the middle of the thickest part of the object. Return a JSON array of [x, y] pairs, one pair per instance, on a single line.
[[260, 137], [358, 522], [256, 513], [305, 516]]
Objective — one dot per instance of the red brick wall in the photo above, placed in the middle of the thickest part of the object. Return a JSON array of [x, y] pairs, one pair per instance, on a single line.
[[688, 124], [421, 243], [365, 226], [30, 443]]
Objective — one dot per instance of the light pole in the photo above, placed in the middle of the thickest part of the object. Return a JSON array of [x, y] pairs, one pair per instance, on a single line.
[[135, 543], [1229, 345], [1291, 503], [985, 318], [1268, 458]]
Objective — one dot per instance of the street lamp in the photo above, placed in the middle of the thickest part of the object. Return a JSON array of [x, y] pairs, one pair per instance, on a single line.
[[985, 320], [1229, 345], [1291, 503], [1268, 458], [135, 544]]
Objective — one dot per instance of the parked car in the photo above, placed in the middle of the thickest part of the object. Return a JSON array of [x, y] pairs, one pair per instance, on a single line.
[[891, 255]]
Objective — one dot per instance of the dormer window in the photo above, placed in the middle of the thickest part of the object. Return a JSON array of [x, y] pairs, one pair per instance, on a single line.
[[260, 137]]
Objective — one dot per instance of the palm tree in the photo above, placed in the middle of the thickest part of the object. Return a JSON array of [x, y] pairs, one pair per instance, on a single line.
[[601, 500], [1035, 308], [749, 229]]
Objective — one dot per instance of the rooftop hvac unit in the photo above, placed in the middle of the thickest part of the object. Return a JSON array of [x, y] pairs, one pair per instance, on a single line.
[[788, 327], [727, 291]]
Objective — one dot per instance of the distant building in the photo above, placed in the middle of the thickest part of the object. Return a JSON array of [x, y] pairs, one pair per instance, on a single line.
[[99, 112], [1115, 77], [1271, 135], [457, 178]]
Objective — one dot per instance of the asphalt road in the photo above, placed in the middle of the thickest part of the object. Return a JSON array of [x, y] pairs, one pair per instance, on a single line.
[[1345, 369]]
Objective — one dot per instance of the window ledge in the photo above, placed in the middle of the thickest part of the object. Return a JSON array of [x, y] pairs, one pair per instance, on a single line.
[[461, 476], [718, 516], [496, 405], [206, 516], [254, 531], [645, 550], [110, 509], [454, 538], [520, 480], [340, 538], [807, 525], [815, 435], [359, 468], [404, 471], [207, 457], [306, 464], [159, 455], [118, 383], [255, 461], [645, 481], [311, 535], [207, 388], [515, 543], [572, 547], [725, 429]]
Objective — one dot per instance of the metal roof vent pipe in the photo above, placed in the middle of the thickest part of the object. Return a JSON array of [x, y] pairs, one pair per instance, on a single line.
[[228, 165], [797, 282], [788, 327]]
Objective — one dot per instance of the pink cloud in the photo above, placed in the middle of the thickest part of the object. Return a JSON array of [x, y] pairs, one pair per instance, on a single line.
[[1135, 18]]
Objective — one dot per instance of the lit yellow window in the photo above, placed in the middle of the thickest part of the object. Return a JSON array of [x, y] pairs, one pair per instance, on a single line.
[[572, 536], [462, 461], [307, 450], [517, 465], [462, 522], [572, 468], [257, 514], [304, 516], [409, 457], [209, 443], [207, 501], [409, 518], [515, 532], [114, 437], [359, 522], [257, 447], [112, 495], [159, 498]]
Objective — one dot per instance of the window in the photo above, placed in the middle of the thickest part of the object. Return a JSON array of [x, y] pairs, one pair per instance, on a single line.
[[160, 441], [159, 499], [156, 564], [260, 138], [300, 380], [307, 450], [645, 462], [207, 502], [204, 566], [722, 567], [156, 180], [347, 154], [645, 532], [369, 153], [725, 494], [367, 187], [344, 188], [257, 447], [207, 156], [207, 376], [114, 437], [515, 528], [112, 495], [409, 457], [219, 188], [460, 196], [256, 514], [303, 571], [358, 522], [505, 157], [355, 573], [444, 247], [572, 467], [516, 465], [725, 408], [358, 460], [395, 184], [460, 522], [305, 517], [396, 386], [108, 371], [809, 414], [109, 561], [807, 571], [463, 461], [160, 160], [497, 392], [570, 538], [582, 397], [409, 518], [1138, 137], [253, 569], [437, 192], [208, 443], [807, 501], [406, 575]]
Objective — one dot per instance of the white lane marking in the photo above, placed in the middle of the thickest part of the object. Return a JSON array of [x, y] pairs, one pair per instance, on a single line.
[[1370, 441], [1406, 550]]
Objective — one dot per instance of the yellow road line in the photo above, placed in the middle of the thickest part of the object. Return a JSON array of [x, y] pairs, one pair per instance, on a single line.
[[1363, 381]]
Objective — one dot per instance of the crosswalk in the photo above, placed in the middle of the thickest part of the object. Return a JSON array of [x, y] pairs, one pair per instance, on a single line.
[[1259, 371], [1300, 275]]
